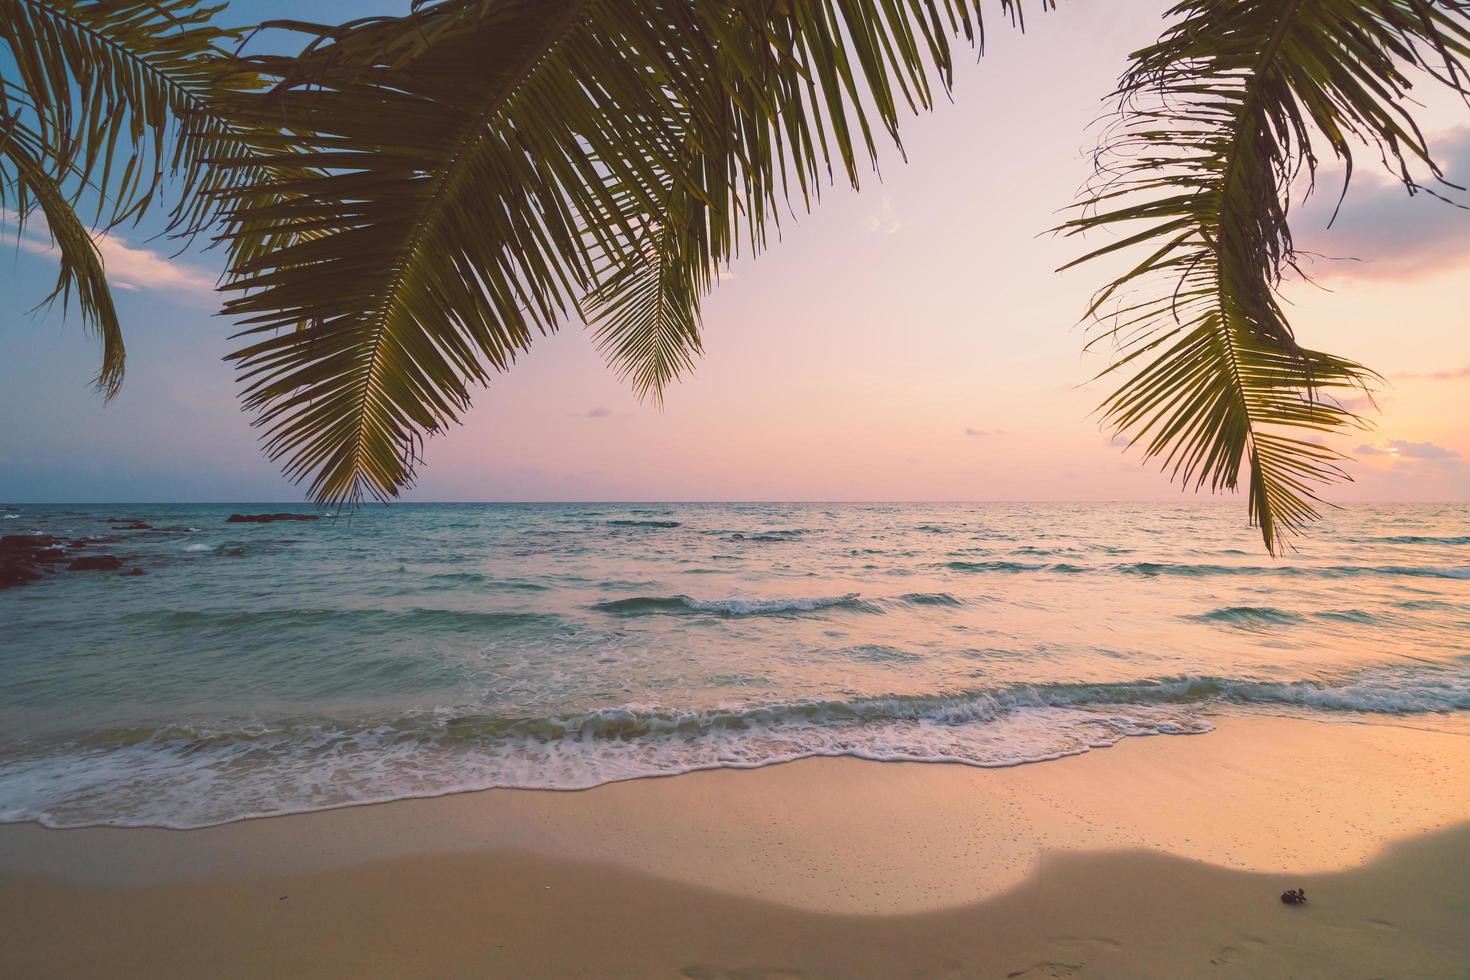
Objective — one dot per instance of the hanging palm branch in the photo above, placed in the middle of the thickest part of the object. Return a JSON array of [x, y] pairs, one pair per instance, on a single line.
[[480, 168], [1217, 123], [102, 100]]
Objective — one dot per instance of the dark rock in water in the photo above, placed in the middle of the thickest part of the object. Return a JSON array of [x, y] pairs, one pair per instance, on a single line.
[[1294, 896], [133, 526], [95, 563], [78, 543], [15, 572], [133, 571], [12, 544], [269, 518], [48, 555]]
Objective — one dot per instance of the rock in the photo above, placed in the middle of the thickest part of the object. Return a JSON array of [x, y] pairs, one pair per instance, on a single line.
[[48, 555], [12, 544], [15, 572], [133, 526], [133, 571], [78, 543], [269, 518], [95, 563], [1294, 896]]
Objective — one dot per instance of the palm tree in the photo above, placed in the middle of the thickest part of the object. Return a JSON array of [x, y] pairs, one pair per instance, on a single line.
[[423, 195]]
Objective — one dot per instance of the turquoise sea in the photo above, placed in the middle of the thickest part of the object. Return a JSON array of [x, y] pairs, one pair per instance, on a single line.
[[423, 649]]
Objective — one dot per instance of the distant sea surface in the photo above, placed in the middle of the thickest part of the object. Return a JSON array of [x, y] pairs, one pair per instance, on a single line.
[[424, 649]]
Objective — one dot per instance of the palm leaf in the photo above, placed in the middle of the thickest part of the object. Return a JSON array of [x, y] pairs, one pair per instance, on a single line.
[[477, 168], [117, 97], [1215, 123], [78, 262]]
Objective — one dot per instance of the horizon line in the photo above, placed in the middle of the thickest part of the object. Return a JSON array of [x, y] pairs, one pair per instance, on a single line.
[[1206, 501]]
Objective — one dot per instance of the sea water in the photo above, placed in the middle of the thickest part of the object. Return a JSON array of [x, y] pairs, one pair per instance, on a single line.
[[422, 649]]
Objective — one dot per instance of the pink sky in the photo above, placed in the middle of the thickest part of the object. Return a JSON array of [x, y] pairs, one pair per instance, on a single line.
[[908, 342]]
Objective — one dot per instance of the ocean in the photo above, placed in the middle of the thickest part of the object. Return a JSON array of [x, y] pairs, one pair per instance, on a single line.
[[423, 649]]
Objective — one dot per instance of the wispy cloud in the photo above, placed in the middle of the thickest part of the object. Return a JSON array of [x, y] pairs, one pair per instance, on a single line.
[[977, 432], [127, 267], [599, 412], [1453, 374], [1404, 449], [885, 220], [1381, 232]]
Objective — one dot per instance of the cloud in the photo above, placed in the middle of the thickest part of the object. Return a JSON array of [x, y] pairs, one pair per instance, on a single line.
[[976, 432], [1404, 449], [1381, 232], [1453, 374], [127, 267], [884, 221], [599, 413]]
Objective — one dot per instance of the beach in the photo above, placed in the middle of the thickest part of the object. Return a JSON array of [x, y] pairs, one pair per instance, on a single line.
[[1159, 857]]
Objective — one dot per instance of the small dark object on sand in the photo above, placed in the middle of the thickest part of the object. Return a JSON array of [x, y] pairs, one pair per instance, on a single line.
[[269, 518], [1294, 896]]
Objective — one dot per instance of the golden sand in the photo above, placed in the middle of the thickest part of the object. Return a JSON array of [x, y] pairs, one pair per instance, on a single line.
[[1161, 857]]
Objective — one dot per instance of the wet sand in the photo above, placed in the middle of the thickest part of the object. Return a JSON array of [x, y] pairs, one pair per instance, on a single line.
[[1161, 857]]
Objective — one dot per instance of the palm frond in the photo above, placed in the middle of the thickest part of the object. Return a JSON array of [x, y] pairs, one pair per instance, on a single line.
[[26, 187], [1216, 122], [123, 95], [480, 167], [117, 96]]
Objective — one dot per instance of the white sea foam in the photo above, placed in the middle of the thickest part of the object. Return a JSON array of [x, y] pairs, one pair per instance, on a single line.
[[189, 777], [756, 607]]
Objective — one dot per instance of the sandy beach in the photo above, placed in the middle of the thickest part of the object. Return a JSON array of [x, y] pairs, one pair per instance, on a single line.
[[1159, 857]]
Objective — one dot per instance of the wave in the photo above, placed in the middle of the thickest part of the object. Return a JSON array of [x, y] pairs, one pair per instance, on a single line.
[[650, 524], [1249, 617], [1152, 569], [996, 566], [1417, 539], [453, 620], [683, 604], [170, 776], [931, 599], [483, 581]]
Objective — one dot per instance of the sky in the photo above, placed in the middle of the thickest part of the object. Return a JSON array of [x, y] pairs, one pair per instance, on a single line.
[[911, 341]]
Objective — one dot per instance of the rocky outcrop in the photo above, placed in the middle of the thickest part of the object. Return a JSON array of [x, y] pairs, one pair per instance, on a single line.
[[21, 556], [95, 563], [14, 572], [13, 544], [269, 518]]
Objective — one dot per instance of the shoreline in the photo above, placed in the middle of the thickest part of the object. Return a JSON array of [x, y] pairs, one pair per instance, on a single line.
[[1148, 859]]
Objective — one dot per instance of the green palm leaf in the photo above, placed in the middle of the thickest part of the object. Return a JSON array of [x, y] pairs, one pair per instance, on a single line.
[[479, 168], [1215, 123], [116, 97], [31, 188]]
